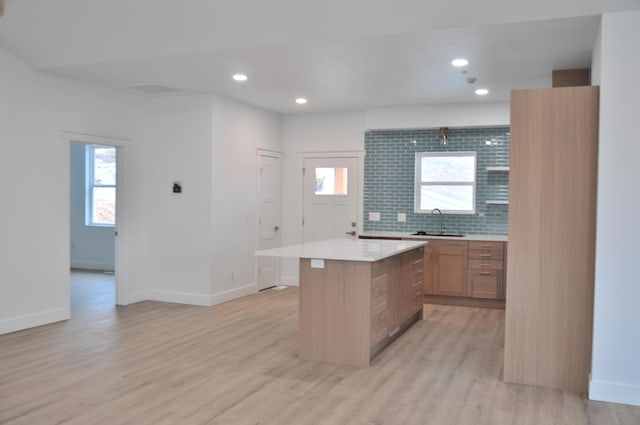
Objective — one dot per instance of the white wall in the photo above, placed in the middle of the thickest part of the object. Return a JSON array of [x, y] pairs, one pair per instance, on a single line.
[[434, 116], [238, 131], [616, 343], [310, 133], [178, 248], [34, 165], [174, 264], [92, 247]]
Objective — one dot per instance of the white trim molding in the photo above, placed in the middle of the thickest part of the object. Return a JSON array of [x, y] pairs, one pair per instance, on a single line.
[[26, 321], [614, 392], [232, 294]]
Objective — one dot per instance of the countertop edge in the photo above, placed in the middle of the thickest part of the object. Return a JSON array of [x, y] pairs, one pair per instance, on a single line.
[[409, 236], [316, 250]]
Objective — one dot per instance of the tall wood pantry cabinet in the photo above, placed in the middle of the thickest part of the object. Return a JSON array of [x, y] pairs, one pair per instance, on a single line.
[[552, 206]]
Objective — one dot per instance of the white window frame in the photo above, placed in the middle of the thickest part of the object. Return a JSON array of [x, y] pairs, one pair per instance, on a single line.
[[419, 183], [90, 185]]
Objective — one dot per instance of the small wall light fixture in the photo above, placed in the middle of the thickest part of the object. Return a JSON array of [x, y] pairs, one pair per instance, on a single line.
[[443, 135]]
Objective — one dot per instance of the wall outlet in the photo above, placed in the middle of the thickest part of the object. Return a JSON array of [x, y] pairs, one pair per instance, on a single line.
[[402, 217], [374, 216]]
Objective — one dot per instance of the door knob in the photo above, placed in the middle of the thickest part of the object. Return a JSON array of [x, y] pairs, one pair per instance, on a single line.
[[276, 228], [352, 233]]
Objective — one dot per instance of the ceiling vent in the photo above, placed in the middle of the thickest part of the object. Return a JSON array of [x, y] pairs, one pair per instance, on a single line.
[[151, 89]]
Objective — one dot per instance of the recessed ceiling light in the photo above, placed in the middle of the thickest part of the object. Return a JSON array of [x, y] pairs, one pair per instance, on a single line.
[[240, 77], [301, 101], [482, 92], [460, 62]]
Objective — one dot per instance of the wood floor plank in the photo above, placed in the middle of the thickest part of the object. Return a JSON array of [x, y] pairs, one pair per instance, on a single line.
[[237, 364]]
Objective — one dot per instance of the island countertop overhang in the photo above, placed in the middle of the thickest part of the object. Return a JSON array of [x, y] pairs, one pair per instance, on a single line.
[[369, 250]]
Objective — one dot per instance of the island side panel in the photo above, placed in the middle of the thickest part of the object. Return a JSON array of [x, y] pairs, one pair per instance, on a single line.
[[334, 312]]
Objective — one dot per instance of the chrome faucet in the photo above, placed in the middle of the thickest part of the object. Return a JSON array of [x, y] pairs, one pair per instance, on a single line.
[[433, 211]]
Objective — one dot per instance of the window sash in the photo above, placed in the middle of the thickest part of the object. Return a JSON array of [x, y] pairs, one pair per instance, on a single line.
[[91, 186], [420, 183]]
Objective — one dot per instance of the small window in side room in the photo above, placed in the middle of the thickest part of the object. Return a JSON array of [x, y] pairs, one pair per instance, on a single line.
[[446, 181], [101, 185]]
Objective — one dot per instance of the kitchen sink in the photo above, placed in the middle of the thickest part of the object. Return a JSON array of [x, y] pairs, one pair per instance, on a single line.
[[450, 235]]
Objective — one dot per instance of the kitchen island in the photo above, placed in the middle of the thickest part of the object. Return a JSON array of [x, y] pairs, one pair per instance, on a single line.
[[356, 296]]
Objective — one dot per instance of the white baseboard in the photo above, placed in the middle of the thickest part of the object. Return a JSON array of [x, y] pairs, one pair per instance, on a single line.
[[27, 321], [232, 294], [135, 297], [92, 265], [614, 392], [177, 297], [190, 298], [289, 280]]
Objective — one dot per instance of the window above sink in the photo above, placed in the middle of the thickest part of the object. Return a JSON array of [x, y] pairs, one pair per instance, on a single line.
[[446, 181]]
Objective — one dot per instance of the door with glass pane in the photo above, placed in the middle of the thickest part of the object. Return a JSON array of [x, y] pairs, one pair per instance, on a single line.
[[330, 198]]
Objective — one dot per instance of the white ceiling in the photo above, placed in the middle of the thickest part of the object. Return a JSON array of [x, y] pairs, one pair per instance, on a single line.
[[340, 54]]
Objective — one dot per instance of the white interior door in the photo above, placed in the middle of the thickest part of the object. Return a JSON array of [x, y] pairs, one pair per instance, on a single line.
[[330, 198], [267, 273]]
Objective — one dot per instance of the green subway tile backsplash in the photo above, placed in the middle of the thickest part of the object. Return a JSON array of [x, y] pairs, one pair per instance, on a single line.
[[389, 179]]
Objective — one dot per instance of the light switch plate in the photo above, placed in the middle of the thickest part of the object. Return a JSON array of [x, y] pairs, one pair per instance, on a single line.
[[374, 216], [402, 217]]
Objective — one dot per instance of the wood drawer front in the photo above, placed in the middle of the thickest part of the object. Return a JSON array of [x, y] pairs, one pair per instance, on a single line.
[[486, 264], [378, 281], [379, 297], [484, 246], [444, 243], [486, 255], [379, 327], [417, 304], [485, 284]]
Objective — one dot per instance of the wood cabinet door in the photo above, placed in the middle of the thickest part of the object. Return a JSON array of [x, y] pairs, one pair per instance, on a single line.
[[450, 277], [485, 283], [428, 269]]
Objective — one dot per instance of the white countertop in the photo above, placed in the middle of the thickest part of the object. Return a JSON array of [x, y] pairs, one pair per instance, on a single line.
[[344, 249], [408, 235]]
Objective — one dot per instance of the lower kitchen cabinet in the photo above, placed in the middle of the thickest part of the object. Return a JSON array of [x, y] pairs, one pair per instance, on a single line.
[[445, 268], [486, 270]]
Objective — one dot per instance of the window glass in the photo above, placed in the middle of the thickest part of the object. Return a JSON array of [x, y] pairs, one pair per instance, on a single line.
[[448, 169], [104, 205], [331, 181], [101, 185], [445, 180], [446, 198], [104, 163]]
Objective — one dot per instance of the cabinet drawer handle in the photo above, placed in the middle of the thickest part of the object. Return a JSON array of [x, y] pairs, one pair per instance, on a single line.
[[485, 255], [484, 273], [485, 246], [485, 265]]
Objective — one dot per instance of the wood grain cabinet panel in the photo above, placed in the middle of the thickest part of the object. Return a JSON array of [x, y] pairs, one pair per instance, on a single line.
[[552, 206], [350, 310], [486, 270], [445, 268]]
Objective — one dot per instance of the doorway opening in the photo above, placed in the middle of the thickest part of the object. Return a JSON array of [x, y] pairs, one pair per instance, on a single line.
[[94, 205]]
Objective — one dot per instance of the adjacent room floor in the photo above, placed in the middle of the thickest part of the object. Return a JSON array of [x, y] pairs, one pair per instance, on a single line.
[[236, 363], [92, 293]]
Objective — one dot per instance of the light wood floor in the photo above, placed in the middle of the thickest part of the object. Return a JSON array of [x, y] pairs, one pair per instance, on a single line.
[[158, 363]]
